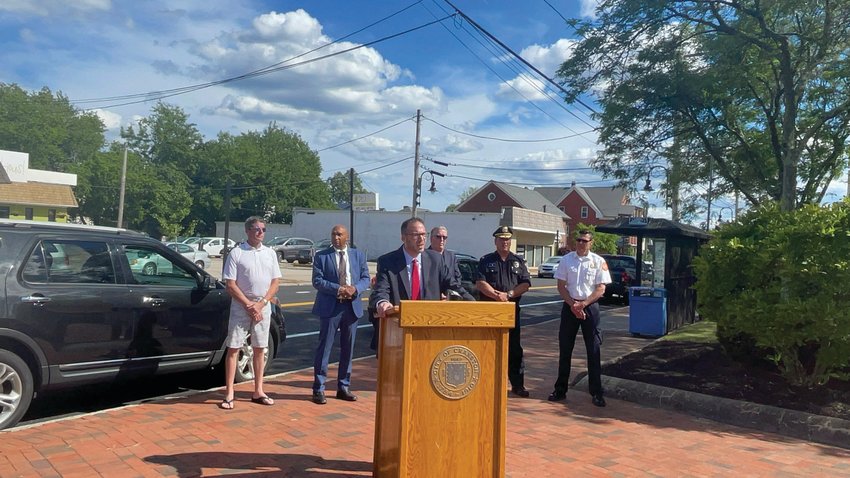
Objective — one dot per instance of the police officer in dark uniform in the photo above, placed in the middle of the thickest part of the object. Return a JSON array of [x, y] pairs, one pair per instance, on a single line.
[[502, 277]]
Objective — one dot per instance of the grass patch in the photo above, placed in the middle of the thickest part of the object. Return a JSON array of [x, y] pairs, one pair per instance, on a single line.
[[703, 331]]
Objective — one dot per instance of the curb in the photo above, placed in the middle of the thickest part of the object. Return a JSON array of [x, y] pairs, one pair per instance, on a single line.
[[766, 418]]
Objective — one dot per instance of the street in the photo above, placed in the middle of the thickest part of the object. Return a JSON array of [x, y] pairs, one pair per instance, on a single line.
[[539, 304]]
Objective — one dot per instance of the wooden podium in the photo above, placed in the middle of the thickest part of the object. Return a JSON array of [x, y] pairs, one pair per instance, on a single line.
[[442, 390]]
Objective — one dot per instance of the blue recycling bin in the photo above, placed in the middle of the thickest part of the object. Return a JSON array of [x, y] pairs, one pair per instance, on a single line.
[[648, 311]]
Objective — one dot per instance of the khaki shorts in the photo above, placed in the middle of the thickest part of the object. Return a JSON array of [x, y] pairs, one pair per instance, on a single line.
[[241, 325]]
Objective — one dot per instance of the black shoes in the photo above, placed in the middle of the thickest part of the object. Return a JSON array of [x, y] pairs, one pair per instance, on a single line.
[[557, 396], [520, 392], [319, 398], [345, 394], [599, 400]]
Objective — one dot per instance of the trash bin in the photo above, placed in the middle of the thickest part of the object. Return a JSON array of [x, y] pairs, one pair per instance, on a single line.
[[648, 311]]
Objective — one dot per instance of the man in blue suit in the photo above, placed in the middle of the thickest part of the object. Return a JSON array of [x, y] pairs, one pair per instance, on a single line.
[[340, 276]]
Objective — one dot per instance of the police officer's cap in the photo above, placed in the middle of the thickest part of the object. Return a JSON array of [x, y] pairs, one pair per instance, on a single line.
[[504, 232]]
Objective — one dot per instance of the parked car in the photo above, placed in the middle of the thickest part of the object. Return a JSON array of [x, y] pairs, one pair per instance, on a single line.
[[322, 245], [326, 243], [468, 266], [547, 269], [199, 258], [92, 317], [215, 245], [623, 275], [291, 249]]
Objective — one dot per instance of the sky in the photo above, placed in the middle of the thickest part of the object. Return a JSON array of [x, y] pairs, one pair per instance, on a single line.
[[483, 113]]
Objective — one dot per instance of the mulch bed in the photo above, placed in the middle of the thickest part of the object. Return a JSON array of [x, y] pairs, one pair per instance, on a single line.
[[704, 368]]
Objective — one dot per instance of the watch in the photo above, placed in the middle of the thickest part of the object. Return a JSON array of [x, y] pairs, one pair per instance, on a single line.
[[510, 294]]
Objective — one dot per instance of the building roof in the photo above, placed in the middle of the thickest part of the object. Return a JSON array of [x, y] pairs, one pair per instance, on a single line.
[[530, 199], [38, 194], [607, 200], [651, 227]]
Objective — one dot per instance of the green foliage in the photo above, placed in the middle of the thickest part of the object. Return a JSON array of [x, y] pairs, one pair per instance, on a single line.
[[461, 198], [603, 243], [340, 187], [780, 279], [52, 131], [752, 94]]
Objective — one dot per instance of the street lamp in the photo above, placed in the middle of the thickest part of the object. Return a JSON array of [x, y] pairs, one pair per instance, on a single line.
[[720, 214], [672, 199], [433, 187]]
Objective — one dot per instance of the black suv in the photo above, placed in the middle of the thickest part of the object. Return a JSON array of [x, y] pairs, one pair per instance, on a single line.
[[77, 308]]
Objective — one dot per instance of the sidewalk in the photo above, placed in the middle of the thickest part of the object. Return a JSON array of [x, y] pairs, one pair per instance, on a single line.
[[189, 436]]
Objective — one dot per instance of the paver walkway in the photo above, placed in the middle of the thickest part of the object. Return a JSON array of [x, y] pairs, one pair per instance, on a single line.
[[190, 436]]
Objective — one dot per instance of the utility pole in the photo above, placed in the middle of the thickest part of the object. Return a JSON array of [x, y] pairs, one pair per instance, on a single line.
[[121, 193], [351, 205], [710, 185], [416, 165]]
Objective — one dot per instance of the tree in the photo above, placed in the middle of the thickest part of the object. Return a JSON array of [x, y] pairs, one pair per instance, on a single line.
[[270, 172], [461, 198], [754, 93], [54, 133], [340, 186]]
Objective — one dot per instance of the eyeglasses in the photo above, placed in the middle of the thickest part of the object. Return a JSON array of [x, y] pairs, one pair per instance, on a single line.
[[584, 240], [259, 229], [442, 238], [416, 234]]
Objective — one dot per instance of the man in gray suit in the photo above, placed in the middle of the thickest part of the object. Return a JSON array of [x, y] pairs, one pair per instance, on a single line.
[[439, 240], [411, 272]]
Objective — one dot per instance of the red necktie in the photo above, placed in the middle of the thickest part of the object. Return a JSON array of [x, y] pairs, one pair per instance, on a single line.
[[414, 281]]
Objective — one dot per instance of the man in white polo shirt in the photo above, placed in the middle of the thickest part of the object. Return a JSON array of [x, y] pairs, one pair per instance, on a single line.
[[582, 276], [252, 275]]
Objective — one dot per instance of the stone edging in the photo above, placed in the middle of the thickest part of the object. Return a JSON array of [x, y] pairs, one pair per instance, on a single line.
[[792, 423]]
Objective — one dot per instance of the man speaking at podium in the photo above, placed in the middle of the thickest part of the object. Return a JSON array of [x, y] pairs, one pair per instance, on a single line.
[[411, 272]]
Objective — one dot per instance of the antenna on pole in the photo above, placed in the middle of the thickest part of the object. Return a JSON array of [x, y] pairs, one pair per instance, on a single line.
[[123, 186], [416, 182]]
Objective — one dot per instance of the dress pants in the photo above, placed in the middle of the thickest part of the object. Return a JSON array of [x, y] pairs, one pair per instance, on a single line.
[[516, 371], [592, 342], [344, 320]]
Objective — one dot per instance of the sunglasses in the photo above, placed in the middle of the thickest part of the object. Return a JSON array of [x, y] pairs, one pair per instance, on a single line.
[[441, 237], [584, 240], [259, 229]]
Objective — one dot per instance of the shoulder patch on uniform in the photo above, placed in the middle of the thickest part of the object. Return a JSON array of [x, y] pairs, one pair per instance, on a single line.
[[604, 265]]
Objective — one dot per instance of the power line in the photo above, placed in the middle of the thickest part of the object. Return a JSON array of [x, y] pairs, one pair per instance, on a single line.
[[506, 82], [518, 57], [506, 139], [364, 136], [265, 71]]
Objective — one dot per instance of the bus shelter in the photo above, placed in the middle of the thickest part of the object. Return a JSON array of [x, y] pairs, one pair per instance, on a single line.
[[670, 247]]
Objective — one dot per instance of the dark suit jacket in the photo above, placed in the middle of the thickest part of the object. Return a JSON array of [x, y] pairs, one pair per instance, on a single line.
[[393, 284], [326, 280], [450, 259]]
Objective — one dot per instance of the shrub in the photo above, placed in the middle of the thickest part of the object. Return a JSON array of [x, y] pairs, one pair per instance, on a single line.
[[780, 281]]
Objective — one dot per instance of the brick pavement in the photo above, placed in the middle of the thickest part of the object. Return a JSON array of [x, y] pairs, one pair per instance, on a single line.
[[190, 436]]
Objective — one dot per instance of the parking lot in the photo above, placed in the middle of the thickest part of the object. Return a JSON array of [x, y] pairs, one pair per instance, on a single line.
[[293, 274]]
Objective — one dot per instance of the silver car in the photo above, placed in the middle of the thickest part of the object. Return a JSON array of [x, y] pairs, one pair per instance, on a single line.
[[547, 269], [200, 258]]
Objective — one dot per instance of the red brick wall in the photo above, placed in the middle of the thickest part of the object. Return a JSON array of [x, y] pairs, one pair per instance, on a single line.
[[572, 204]]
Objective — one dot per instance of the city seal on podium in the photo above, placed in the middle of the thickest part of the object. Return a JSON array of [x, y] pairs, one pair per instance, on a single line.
[[455, 372]]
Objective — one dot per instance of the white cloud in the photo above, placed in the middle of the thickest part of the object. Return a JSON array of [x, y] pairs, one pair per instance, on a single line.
[[546, 59], [355, 82], [110, 120], [521, 88], [588, 8]]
